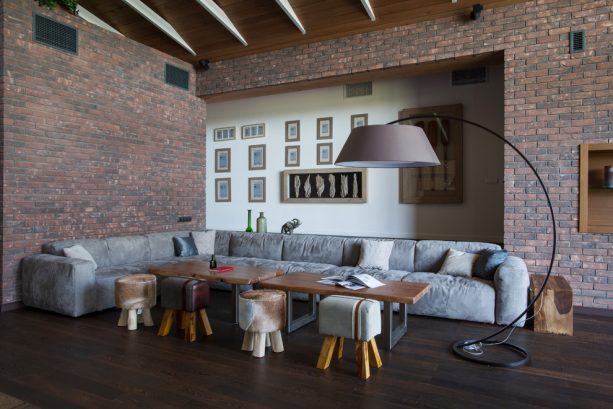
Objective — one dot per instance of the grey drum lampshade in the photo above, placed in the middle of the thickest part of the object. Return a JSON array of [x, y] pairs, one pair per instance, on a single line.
[[387, 146]]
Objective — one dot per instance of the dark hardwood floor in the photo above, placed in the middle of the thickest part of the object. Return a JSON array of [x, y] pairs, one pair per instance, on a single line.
[[54, 361]]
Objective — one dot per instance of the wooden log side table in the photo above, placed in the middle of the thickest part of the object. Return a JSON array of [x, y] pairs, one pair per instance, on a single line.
[[554, 311]]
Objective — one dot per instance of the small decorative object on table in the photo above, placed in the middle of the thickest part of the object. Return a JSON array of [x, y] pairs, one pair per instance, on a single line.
[[249, 229], [213, 262], [261, 223], [288, 228]]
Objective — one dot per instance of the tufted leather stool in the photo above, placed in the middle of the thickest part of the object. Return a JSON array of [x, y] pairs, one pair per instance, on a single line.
[[132, 293], [359, 319], [189, 298], [262, 316]]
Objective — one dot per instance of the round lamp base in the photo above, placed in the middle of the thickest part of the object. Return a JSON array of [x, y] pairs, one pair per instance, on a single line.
[[478, 354]]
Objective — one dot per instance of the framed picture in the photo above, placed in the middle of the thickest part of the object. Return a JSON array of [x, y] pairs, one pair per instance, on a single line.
[[359, 120], [253, 131], [324, 128], [331, 185], [292, 131], [324, 153], [224, 134], [257, 157], [443, 183], [257, 189], [223, 191], [222, 160], [292, 156]]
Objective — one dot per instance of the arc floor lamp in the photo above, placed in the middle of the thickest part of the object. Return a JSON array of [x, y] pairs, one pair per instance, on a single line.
[[406, 146]]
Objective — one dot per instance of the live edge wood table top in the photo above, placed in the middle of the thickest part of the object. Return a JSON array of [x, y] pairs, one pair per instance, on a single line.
[[199, 270], [393, 291]]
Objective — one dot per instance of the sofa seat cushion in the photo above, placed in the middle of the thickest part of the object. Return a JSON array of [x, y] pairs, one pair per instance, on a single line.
[[314, 249], [455, 297]]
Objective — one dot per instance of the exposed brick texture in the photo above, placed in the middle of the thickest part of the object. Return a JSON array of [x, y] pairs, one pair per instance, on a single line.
[[553, 102], [94, 144]]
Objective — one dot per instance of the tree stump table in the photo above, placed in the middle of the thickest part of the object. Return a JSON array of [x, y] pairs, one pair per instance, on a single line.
[[554, 311]]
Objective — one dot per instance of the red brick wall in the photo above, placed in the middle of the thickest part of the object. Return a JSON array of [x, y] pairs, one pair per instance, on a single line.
[[553, 102], [94, 144]]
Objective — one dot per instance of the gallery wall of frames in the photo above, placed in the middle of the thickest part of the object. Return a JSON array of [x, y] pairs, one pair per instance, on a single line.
[[275, 154]]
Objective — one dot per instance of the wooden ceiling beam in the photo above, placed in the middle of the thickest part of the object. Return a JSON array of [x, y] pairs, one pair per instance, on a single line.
[[288, 9], [369, 10], [223, 18], [155, 19], [92, 18]]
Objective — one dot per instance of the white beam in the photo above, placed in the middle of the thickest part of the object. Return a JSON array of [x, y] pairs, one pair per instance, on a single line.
[[221, 16], [287, 8], [92, 18], [369, 10], [155, 19]]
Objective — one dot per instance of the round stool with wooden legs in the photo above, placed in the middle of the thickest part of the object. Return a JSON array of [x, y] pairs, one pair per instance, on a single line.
[[262, 316], [132, 293]]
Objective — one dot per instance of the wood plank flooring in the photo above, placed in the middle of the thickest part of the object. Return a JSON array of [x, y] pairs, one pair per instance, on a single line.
[[53, 361]]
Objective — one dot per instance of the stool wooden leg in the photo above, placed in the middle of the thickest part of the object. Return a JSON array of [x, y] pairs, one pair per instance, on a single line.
[[248, 341], [147, 320], [341, 343], [190, 326], [204, 320], [373, 353], [268, 339], [123, 318], [167, 319], [276, 341], [132, 320], [259, 344], [181, 319], [327, 350], [361, 351]]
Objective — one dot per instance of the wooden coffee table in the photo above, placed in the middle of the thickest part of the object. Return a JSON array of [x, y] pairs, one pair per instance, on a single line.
[[199, 270], [393, 292]]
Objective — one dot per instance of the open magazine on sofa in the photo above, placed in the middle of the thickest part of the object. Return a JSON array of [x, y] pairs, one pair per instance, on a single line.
[[353, 282]]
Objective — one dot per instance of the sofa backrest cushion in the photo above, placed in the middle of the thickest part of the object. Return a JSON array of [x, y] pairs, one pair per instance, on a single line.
[[313, 248], [128, 249], [402, 258], [222, 242], [258, 245], [160, 244], [96, 247], [430, 254]]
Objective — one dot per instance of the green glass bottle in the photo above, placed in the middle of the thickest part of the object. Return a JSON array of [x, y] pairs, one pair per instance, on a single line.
[[249, 229]]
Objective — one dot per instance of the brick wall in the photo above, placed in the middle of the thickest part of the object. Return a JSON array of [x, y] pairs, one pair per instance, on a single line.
[[94, 144], [553, 102]]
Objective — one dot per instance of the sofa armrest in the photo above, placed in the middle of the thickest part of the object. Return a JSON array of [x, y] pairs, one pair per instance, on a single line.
[[511, 281], [60, 284]]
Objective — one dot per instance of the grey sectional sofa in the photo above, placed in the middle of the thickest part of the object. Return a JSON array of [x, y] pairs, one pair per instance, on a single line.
[[73, 287]]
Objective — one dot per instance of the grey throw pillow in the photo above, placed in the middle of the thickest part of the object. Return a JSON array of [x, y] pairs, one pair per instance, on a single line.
[[458, 263], [376, 254], [487, 263], [205, 241], [78, 251]]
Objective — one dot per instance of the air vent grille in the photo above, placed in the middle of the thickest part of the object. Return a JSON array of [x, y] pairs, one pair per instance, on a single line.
[[472, 76], [358, 90], [577, 41], [54, 34], [177, 76]]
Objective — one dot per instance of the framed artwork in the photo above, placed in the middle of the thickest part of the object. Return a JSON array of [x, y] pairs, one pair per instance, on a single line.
[[257, 189], [222, 160], [292, 131], [292, 156], [324, 153], [253, 131], [331, 185], [223, 191], [224, 134], [443, 183], [359, 120], [324, 128], [257, 157]]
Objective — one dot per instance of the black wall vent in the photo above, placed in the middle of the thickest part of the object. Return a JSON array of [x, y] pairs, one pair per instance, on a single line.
[[177, 77], [54, 34], [358, 90], [472, 76], [577, 41]]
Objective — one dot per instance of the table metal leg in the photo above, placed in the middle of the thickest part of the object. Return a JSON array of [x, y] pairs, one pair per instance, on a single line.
[[294, 324], [392, 335], [235, 293]]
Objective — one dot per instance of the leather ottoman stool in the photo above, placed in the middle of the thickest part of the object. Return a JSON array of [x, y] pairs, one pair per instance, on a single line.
[[189, 298], [262, 315], [132, 293], [359, 319]]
